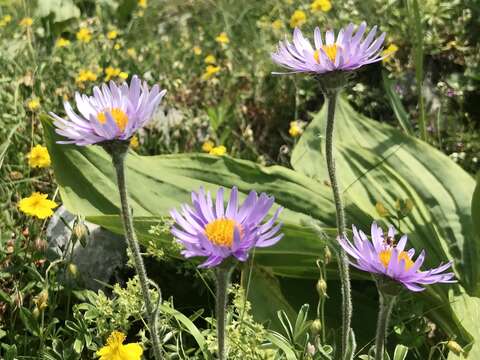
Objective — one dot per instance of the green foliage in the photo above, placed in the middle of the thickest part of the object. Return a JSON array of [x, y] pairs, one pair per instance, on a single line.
[[87, 187], [248, 110], [380, 164]]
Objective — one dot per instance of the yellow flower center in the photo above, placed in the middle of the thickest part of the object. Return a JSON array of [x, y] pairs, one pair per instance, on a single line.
[[116, 339], [330, 50], [386, 255], [118, 115], [220, 232]]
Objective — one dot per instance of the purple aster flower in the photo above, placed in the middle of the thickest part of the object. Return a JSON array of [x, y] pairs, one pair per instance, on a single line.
[[382, 256], [112, 113], [208, 229], [347, 52]]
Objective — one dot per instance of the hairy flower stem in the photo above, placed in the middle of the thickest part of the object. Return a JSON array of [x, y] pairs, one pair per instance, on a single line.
[[342, 256], [385, 309], [118, 158], [223, 274]]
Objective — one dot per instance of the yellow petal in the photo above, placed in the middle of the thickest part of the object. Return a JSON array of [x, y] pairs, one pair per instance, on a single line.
[[131, 351], [105, 353]]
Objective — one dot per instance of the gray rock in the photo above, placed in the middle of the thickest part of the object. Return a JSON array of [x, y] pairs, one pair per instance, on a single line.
[[97, 261]]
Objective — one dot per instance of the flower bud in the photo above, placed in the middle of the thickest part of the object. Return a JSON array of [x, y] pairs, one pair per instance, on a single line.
[[381, 210], [311, 349], [18, 299], [41, 300], [36, 313], [40, 244], [455, 347], [72, 269], [316, 327], [80, 231], [327, 254], [321, 288]]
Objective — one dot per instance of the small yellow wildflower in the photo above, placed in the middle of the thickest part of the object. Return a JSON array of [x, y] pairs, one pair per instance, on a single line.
[[298, 18], [210, 71], [112, 72], [210, 59], [277, 24], [39, 157], [115, 350], [389, 51], [4, 21], [84, 35], [222, 38], [62, 42], [123, 75], [295, 129], [33, 104], [208, 146], [131, 52], [142, 3], [197, 50], [321, 5], [218, 150], [37, 205], [134, 143], [26, 22], [117, 46], [112, 34], [85, 75]]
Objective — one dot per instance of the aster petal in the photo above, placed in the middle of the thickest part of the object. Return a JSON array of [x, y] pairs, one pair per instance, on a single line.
[[212, 261], [232, 203], [317, 36], [401, 243], [219, 204], [269, 242], [413, 287], [329, 38]]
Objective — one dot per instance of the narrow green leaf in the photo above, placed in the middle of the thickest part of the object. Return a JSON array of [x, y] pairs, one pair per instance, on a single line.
[[29, 321], [190, 326], [280, 342], [396, 103], [6, 143], [400, 353]]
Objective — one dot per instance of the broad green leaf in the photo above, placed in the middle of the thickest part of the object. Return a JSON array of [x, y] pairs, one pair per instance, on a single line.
[[159, 183], [377, 163], [476, 227], [468, 310]]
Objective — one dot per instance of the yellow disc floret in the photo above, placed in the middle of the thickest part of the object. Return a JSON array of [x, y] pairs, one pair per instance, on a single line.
[[330, 51], [118, 115], [220, 232], [386, 255]]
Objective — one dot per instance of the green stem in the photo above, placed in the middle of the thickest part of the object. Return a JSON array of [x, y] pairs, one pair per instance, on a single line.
[[340, 213], [118, 159], [223, 274], [385, 309]]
